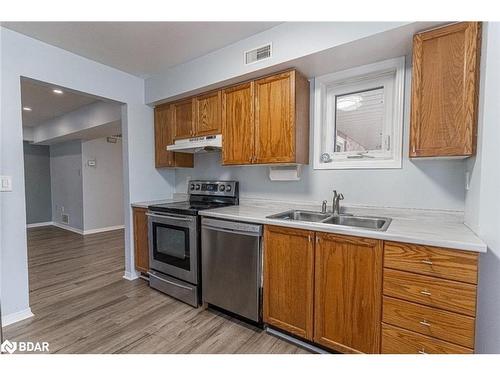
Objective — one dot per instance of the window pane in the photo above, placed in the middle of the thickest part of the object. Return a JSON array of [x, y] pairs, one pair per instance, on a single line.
[[359, 119]]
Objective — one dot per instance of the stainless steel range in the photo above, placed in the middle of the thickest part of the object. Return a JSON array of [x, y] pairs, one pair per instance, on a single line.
[[174, 238]]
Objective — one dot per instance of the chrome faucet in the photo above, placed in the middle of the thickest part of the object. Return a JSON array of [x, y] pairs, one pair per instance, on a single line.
[[336, 202], [323, 207]]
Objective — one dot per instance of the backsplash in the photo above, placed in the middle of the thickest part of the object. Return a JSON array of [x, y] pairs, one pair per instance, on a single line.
[[424, 184]]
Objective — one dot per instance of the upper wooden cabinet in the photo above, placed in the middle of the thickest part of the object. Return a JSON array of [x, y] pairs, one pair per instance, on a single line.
[[288, 280], [183, 119], [275, 112], [207, 114], [445, 90], [347, 293], [238, 124], [164, 136]]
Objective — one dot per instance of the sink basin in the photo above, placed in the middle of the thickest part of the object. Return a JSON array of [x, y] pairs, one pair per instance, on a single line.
[[299, 215], [374, 223], [364, 222]]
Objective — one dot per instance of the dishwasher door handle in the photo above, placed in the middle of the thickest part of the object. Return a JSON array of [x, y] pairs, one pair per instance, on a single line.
[[234, 231]]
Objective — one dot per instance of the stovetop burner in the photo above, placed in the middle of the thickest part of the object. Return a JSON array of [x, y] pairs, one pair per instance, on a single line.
[[203, 196]]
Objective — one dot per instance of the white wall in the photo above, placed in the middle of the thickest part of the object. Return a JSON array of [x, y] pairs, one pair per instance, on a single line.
[[482, 201], [102, 184], [66, 183], [25, 57], [431, 184], [291, 40]]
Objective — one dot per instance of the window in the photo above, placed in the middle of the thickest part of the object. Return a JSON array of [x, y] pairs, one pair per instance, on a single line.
[[358, 117]]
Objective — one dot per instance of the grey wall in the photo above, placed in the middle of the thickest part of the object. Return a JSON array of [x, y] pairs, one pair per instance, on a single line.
[[430, 184], [66, 182], [102, 184], [37, 183]]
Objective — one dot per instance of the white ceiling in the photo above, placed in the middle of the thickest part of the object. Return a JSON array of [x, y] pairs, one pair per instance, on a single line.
[[140, 48], [45, 104]]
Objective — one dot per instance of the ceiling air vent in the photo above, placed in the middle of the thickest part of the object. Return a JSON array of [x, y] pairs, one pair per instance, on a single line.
[[258, 54]]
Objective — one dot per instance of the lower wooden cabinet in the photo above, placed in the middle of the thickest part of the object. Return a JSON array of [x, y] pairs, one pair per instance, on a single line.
[[288, 280], [361, 295], [141, 245], [348, 289]]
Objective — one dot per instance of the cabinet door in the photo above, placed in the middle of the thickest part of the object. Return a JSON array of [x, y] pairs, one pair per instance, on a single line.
[[238, 124], [141, 245], [348, 293], [183, 119], [207, 110], [444, 91], [163, 136], [288, 280], [275, 119]]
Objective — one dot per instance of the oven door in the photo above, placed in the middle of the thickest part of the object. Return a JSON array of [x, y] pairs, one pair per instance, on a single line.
[[173, 245]]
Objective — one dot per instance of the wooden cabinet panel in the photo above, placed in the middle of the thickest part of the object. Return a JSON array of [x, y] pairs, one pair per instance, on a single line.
[[400, 341], [238, 124], [348, 293], [288, 280], [164, 136], [141, 245], [207, 109], [275, 119], [431, 291], [183, 119], [444, 91], [444, 325], [432, 261]]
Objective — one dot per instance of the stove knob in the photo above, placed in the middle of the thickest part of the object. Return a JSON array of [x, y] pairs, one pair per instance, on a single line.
[[191, 187], [228, 188], [197, 186], [222, 188]]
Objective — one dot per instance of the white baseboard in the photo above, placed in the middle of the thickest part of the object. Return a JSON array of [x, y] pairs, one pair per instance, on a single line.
[[67, 227], [130, 275], [36, 225], [16, 317], [105, 229]]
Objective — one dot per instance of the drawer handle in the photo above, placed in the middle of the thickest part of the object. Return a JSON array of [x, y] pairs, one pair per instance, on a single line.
[[425, 323], [425, 292], [422, 351], [427, 261]]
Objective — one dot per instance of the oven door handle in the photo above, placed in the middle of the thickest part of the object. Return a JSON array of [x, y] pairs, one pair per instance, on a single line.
[[159, 216]]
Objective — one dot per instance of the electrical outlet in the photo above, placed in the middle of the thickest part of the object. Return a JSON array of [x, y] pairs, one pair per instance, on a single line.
[[5, 183]]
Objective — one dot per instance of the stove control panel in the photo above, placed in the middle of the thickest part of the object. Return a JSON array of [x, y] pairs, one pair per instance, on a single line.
[[218, 188]]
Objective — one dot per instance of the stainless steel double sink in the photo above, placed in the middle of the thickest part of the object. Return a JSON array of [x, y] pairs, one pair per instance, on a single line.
[[345, 220]]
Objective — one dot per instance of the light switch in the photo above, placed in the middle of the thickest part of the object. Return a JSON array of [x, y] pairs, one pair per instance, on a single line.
[[5, 183]]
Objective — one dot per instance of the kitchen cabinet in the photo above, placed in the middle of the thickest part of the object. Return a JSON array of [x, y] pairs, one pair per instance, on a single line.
[[164, 131], [183, 119], [288, 280], [282, 119], [141, 245], [238, 124], [348, 290], [445, 80], [207, 114], [429, 299], [266, 121]]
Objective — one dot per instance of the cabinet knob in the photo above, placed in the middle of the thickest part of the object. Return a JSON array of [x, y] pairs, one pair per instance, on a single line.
[[425, 292], [422, 351], [427, 261], [425, 323]]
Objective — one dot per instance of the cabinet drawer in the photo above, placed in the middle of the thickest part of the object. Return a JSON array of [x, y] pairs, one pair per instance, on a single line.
[[400, 341], [431, 291], [440, 324], [433, 261]]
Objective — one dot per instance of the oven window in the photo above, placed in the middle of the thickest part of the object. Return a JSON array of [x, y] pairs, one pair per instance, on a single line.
[[171, 245]]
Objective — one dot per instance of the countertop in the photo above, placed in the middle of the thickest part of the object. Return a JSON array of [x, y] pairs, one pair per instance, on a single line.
[[145, 204], [425, 227]]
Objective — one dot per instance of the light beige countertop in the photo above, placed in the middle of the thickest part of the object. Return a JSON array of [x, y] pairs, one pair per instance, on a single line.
[[425, 227], [176, 198]]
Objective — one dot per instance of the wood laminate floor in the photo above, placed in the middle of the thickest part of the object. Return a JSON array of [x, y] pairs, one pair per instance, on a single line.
[[82, 304]]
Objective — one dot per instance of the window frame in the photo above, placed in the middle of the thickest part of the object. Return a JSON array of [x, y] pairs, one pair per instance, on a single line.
[[388, 74]]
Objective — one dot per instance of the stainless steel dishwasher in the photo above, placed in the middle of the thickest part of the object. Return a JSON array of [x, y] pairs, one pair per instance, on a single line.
[[231, 263]]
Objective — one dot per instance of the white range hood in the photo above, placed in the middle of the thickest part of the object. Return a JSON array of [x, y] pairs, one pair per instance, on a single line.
[[209, 143]]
